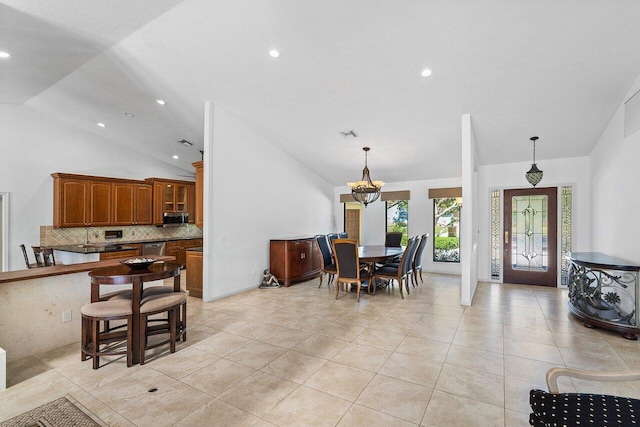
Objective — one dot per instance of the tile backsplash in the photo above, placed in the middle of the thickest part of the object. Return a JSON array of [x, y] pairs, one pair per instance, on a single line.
[[50, 236]]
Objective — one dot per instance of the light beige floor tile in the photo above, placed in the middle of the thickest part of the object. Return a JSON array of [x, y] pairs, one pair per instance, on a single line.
[[94, 405], [166, 406], [310, 324], [592, 361], [472, 358], [223, 343], [34, 392], [321, 346], [535, 351], [481, 328], [255, 330], [432, 350], [119, 392], [285, 337], [257, 354], [624, 389], [450, 410], [88, 378], [218, 413], [258, 393], [181, 363], [415, 369], [362, 356], [308, 407], [342, 331], [526, 369], [583, 343], [345, 382], [396, 397], [358, 416], [434, 333], [294, 366], [379, 339], [517, 393], [518, 333], [28, 367], [359, 319], [218, 376], [470, 339], [61, 356], [516, 419], [117, 420], [472, 384]]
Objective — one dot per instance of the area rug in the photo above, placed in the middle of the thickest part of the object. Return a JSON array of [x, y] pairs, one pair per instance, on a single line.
[[63, 412]]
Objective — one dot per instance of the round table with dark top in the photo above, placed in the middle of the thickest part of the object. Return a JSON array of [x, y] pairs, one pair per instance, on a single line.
[[120, 275], [375, 253]]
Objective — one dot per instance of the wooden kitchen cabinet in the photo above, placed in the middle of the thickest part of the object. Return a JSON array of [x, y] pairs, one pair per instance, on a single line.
[[194, 273], [118, 254], [178, 249], [80, 201], [199, 196], [294, 260], [171, 196], [132, 203]]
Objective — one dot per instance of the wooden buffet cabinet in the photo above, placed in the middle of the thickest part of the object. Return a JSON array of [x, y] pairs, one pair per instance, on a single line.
[[294, 259], [94, 201]]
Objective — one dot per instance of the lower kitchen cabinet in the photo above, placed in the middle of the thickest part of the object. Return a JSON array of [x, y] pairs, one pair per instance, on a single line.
[[194, 273]]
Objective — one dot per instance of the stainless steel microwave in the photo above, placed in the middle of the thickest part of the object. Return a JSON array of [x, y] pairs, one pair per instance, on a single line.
[[174, 219]]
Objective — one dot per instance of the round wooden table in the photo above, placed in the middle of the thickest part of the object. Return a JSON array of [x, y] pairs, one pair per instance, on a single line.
[[375, 253], [120, 275]]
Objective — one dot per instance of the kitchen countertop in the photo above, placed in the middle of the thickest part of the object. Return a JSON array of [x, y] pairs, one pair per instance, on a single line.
[[93, 248]]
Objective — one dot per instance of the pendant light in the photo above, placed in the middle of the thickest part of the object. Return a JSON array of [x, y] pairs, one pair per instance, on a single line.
[[365, 191], [534, 176]]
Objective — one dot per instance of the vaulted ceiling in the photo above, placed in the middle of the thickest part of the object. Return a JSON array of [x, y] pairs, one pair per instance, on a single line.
[[557, 70]]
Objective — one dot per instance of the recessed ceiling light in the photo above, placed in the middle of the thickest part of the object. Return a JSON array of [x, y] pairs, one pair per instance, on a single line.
[[127, 114], [274, 53], [160, 101], [426, 72], [175, 156], [102, 125], [4, 54]]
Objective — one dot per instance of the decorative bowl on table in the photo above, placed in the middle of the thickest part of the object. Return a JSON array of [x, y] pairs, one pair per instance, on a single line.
[[140, 263]]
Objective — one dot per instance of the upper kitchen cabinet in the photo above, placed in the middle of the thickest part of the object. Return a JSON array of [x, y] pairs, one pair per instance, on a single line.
[[132, 203], [199, 197], [171, 197], [79, 201]]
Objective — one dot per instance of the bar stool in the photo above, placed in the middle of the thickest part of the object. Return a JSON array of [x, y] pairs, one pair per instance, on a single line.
[[175, 305], [92, 338]]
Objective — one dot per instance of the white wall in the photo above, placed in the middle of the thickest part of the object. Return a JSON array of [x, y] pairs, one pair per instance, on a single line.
[[33, 147], [257, 193], [420, 217], [614, 188], [469, 219], [558, 172]]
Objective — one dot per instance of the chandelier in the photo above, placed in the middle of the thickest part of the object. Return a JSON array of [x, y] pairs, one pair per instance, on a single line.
[[534, 176], [365, 191]]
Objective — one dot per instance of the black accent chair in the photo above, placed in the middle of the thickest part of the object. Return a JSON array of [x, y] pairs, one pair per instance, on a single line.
[[348, 264], [578, 409], [400, 271], [328, 266], [417, 259], [393, 239], [343, 235]]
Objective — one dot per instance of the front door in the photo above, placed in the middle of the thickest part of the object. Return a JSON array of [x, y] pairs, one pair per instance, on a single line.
[[530, 236]]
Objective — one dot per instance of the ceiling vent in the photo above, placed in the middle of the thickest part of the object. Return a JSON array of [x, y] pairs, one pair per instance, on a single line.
[[349, 134], [185, 143]]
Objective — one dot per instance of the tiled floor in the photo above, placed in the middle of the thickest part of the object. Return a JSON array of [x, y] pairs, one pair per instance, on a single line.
[[297, 357]]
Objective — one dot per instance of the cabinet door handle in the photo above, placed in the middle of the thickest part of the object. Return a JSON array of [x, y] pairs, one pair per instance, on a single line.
[[303, 255], [506, 237]]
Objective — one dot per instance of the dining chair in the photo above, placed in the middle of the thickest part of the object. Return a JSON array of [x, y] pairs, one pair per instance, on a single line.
[[175, 305], [26, 258], [343, 235], [328, 266], [37, 252], [575, 409], [417, 259], [349, 270], [44, 256], [393, 239], [400, 271]]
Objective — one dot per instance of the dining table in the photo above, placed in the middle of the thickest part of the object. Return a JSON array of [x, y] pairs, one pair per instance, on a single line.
[[120, 275], [378, 253]]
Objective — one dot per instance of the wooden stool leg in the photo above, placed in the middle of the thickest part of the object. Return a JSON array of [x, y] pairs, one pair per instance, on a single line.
[[173, 323], [143, 336], [84, 340], [129, 341], [183, 333], [95, 332]]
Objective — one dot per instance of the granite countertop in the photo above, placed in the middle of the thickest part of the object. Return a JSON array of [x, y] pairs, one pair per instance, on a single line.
[[93, 248]]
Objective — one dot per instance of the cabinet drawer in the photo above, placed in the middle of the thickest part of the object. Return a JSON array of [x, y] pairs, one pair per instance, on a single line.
[[173, 245]]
